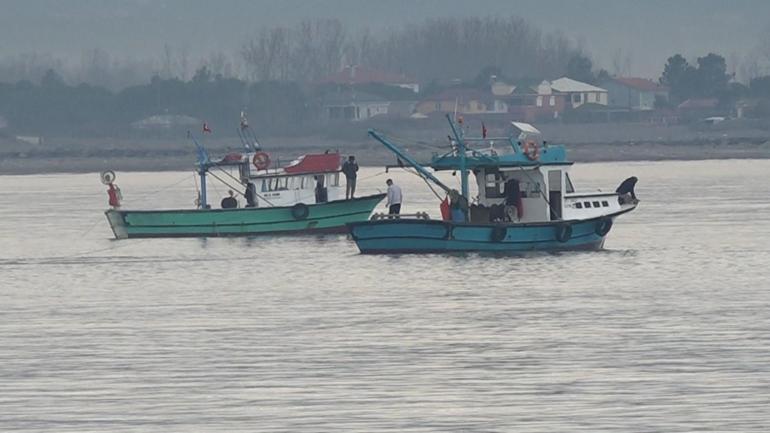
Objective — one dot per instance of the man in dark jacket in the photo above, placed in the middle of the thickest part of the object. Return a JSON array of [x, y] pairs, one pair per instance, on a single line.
[[350, 170]]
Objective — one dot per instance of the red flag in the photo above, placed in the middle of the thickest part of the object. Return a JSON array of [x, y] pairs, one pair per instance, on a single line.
[[483, 130], [206, 128]]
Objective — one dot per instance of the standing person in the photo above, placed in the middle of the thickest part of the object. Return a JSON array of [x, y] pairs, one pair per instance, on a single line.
[[251, 195], [350, 170], [114, 195], [321, 193], [394, 198]]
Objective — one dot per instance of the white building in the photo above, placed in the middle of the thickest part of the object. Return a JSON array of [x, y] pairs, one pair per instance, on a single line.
[[579, 93]]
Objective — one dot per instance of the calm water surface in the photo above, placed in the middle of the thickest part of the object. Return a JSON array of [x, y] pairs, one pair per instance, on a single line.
[[667, 330]]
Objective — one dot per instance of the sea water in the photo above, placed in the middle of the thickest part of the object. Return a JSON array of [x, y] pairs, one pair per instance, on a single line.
[[665, 330]]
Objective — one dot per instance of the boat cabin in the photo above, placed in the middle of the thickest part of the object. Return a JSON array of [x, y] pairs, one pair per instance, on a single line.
[[529, 184], [311, 178]]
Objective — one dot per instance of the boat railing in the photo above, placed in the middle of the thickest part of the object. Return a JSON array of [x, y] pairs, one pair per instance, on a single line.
[[383, 216]]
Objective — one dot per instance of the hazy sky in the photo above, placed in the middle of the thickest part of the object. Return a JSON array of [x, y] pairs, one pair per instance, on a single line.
[[647, 31]]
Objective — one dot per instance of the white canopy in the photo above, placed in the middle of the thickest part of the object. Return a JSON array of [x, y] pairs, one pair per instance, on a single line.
[[524, 129]]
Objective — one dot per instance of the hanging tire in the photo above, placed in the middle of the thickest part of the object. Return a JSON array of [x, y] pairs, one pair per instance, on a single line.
[[300, 211], [603, 226], [498, 233], [563, 232]]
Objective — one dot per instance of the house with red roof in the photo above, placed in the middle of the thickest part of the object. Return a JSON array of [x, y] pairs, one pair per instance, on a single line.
[[353, 75], [634, 93]]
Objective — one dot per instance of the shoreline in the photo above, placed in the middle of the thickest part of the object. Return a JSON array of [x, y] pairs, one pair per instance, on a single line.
[[579, 153]]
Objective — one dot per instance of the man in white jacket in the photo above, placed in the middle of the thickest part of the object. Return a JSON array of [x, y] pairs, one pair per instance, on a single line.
[[394, 198]]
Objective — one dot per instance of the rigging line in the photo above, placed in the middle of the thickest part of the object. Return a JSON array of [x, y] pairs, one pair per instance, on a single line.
[[235, 189], [415, 173], [239, 181], [374, 175]]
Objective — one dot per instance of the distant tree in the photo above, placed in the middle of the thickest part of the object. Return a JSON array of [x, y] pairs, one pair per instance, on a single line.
[[483, 78], [760, 87], [580, 68], [51, 80], [678, 75], [711, 77], [603, 76]]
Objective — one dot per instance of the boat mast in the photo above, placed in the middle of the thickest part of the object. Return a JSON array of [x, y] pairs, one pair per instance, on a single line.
[[401, 154], [202, 202], [463, 166]]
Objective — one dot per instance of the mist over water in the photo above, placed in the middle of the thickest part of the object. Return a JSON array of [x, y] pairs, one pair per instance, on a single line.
[[667, 329]]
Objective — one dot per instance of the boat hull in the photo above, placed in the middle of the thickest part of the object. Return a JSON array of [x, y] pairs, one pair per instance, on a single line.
[[414, 236], [329, 217]]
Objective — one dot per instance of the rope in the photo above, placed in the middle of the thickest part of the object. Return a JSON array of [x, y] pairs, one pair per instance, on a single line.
[[239, 181]]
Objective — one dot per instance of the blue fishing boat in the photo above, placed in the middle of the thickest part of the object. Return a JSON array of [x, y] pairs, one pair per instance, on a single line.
[[526, 201]]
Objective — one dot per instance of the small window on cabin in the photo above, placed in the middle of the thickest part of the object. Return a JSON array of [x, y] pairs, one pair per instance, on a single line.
[[568, 182], [596, 204], [605, 203], [264, 185], [577, 98], [494, 186], [552, 101], [579, 205], [587, 204]]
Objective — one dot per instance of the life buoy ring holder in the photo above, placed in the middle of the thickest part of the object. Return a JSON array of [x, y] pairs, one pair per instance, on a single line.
[[261, 160], [563, 232], [531, 150], [498, 233], [603, 227], [300, 211]]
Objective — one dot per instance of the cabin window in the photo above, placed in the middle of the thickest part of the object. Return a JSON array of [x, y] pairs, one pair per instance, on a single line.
[[577, 98], [568, 182], [587, 204], [596, 204], [494, 185], [333, 179], [552, 101], [264, 185], [278, 183], [579, 205], [539, 101], [535, 188], [605, 203]]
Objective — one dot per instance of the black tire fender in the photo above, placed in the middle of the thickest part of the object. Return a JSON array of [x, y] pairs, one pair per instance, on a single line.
[[300, 211], [563, 232], [498, 233], [603, 226]]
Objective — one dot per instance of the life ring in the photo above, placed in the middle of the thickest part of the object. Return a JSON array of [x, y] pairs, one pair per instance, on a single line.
[[603, 227], [498, 233], [531, 150], [107, 177], [300, 211], [563, 232], [261, 160]]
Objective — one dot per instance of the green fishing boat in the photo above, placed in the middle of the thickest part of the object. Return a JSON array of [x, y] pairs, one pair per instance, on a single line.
[[329, 217], [304, 196]]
